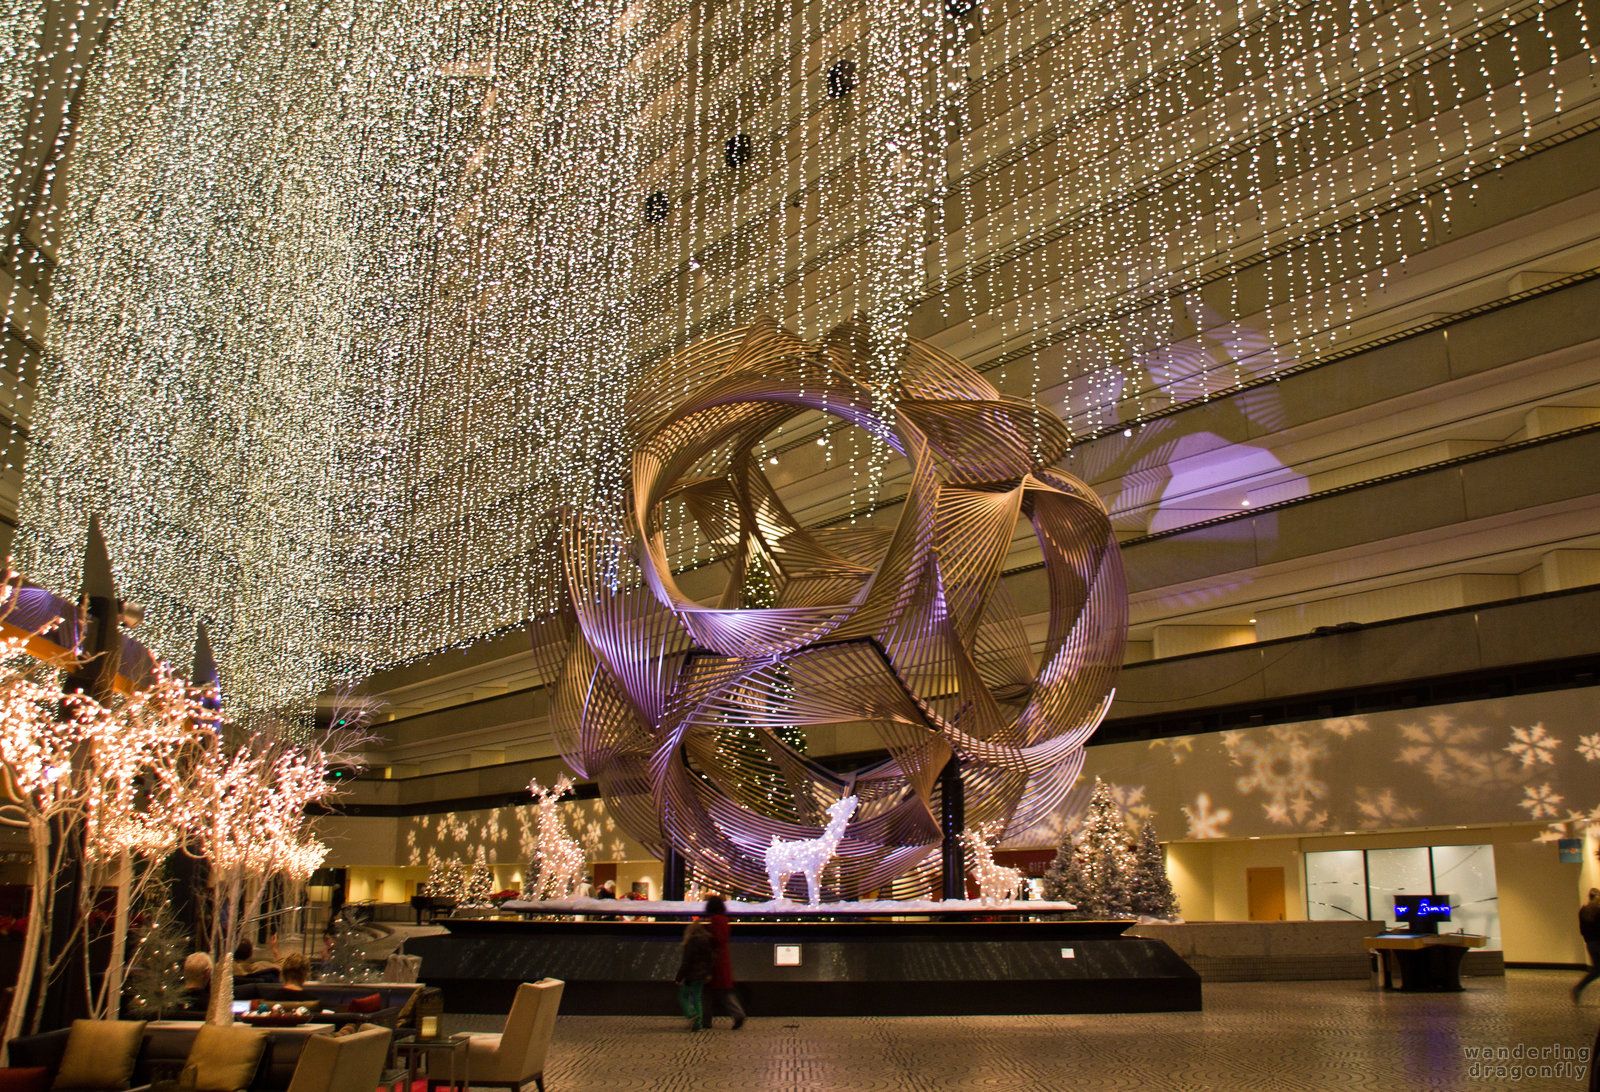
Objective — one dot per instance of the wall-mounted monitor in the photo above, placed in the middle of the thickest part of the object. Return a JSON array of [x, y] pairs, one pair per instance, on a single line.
[[1421, 913]]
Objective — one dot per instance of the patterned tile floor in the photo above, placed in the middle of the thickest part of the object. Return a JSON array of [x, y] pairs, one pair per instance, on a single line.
[[1252, 1035]]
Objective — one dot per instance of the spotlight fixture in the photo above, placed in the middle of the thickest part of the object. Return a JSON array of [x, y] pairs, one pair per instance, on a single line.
[[657, 207], [739, 150], [841, 79]]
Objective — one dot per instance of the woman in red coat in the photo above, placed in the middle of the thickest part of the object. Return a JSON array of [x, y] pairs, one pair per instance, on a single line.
[[724, 999]]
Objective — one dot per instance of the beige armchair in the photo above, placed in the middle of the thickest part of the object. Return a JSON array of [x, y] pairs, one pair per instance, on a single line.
[[515, 1056], [342, 1063]]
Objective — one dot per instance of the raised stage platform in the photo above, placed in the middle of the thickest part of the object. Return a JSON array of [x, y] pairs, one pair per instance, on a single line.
[[848, 966]]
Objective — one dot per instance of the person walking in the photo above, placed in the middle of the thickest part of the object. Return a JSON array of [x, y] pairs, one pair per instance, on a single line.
[[724, 999], [1589, 927], [695, 968]]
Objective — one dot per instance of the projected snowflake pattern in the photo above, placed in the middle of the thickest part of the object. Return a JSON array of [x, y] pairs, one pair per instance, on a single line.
[[1534, 746], [1178, 748], [1345, 727], [1542, 801], [1282, 770], [1204, 821], [1382, 809], [1446, 751], [1130, 798], [1446, 767]]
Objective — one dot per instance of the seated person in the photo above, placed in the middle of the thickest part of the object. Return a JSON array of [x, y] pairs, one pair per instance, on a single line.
[[295, 969], [247, 969], [291, 991], [197, 981]]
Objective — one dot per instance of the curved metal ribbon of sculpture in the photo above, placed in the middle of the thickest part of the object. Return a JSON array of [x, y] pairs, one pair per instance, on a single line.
[[678, 708]]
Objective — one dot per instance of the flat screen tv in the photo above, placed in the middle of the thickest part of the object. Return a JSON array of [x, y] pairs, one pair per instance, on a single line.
[[1421, 913]]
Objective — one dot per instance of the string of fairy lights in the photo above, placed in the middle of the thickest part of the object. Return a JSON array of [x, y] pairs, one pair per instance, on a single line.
[[347, 298]]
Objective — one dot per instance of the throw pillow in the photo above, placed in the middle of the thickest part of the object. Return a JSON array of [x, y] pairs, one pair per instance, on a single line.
[[100, 1055], [225, 1058], [367, 1005], [34, 1078]]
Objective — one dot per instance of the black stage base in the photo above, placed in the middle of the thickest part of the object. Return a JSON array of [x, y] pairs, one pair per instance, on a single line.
[[846, 968]]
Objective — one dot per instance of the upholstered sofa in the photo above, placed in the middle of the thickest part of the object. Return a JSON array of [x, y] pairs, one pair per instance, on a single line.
[[163, 1049]]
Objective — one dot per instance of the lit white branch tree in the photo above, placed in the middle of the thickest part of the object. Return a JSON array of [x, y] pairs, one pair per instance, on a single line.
[[68, 761], [42, 735], [132, 813], [245, 806]]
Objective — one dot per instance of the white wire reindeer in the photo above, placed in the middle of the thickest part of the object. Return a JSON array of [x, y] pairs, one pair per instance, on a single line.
[[810, 856], [560, 857], [996, 882]]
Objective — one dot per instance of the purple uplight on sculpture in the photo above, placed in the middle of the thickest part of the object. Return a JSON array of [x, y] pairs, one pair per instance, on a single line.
[[678, 707]]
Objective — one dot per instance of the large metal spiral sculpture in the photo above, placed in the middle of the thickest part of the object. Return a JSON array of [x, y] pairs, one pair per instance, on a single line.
[[686, 713]]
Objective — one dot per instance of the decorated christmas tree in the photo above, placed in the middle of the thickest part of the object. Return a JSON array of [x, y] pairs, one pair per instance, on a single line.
[[155, 983], [1063, 880], [479, 887], [350, 957], [1149, 889], [1092, 868]]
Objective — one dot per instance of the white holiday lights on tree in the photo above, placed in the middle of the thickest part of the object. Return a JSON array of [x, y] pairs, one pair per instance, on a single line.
[[1092, 867], [245, 806], [134, 803], [94, 785], [480, 882]]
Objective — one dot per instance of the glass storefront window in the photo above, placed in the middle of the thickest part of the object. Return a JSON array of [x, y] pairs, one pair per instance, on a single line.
[[1336, 886], [1466, 874], [1392, 872], [1361, 884]]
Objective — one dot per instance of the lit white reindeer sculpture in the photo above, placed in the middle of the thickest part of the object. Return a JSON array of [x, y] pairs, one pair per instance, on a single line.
[[559, 856], [811, 856], [996, 882]]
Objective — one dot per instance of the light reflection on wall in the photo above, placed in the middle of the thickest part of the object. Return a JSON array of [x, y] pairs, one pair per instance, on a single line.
[[1526, 758]]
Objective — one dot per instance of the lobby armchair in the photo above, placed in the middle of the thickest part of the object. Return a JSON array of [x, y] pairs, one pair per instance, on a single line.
[[515, 1056], [342, 1063]]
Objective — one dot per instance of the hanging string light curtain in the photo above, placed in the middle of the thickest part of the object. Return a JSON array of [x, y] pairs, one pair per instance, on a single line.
[[349, 296]]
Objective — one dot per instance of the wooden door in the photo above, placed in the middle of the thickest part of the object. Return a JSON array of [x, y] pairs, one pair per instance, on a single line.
[[1264, 890]]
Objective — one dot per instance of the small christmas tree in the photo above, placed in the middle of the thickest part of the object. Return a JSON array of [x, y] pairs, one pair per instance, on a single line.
[[1106, 861], [479, 888], [155, 984], [1063, 880], [1149, 889], [349, 956], [447, 879], [1092, 869]]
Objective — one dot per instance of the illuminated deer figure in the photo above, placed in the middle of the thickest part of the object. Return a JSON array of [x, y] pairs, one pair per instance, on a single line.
[[811, 856], [996, 882], [559, 856]]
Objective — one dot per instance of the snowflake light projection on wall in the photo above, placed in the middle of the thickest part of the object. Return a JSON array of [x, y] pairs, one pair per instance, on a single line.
[[1206, 821], [1534, 746], [1542, 801], [1282, 770], [685, 711]]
